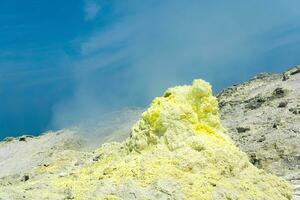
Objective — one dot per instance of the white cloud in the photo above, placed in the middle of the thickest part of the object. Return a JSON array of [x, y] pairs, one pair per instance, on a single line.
[[91, 9]]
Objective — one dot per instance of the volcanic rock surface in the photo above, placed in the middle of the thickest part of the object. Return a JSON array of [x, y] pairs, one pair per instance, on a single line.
[[177, 150], [262, 116]]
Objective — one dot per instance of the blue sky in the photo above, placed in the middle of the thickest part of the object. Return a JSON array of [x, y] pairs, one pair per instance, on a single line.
[[64, 62]]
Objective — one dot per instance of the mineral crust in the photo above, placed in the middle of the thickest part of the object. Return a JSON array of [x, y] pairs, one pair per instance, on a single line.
[[177, 150]]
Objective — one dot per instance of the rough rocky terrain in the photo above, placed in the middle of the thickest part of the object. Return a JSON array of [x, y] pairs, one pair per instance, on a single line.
[[261, 116]]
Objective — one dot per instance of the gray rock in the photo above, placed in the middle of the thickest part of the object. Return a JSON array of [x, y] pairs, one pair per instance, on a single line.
[[262, 117], [294, 70]]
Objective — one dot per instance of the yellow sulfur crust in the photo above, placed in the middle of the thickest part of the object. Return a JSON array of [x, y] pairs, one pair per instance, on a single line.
[[177, 150]]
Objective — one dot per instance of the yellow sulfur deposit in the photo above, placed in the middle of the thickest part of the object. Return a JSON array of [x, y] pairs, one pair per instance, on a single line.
[[177, 150]]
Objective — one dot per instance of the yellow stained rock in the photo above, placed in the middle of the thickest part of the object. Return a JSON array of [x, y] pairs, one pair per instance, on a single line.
[[177, 150]]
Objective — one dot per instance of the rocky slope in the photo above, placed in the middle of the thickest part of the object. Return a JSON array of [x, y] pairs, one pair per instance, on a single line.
[[171, 154], [263, 118]]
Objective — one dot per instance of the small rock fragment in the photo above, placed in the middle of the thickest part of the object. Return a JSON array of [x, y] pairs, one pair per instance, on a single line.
[[8, 139], [254, 160], [46, 165], [96, 158], [279, 92], [242, 129], [295, 111], [282, 104], [261, 139], [275, 125], [291, 72], [23, 138], [255, 103], [25, 178]]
